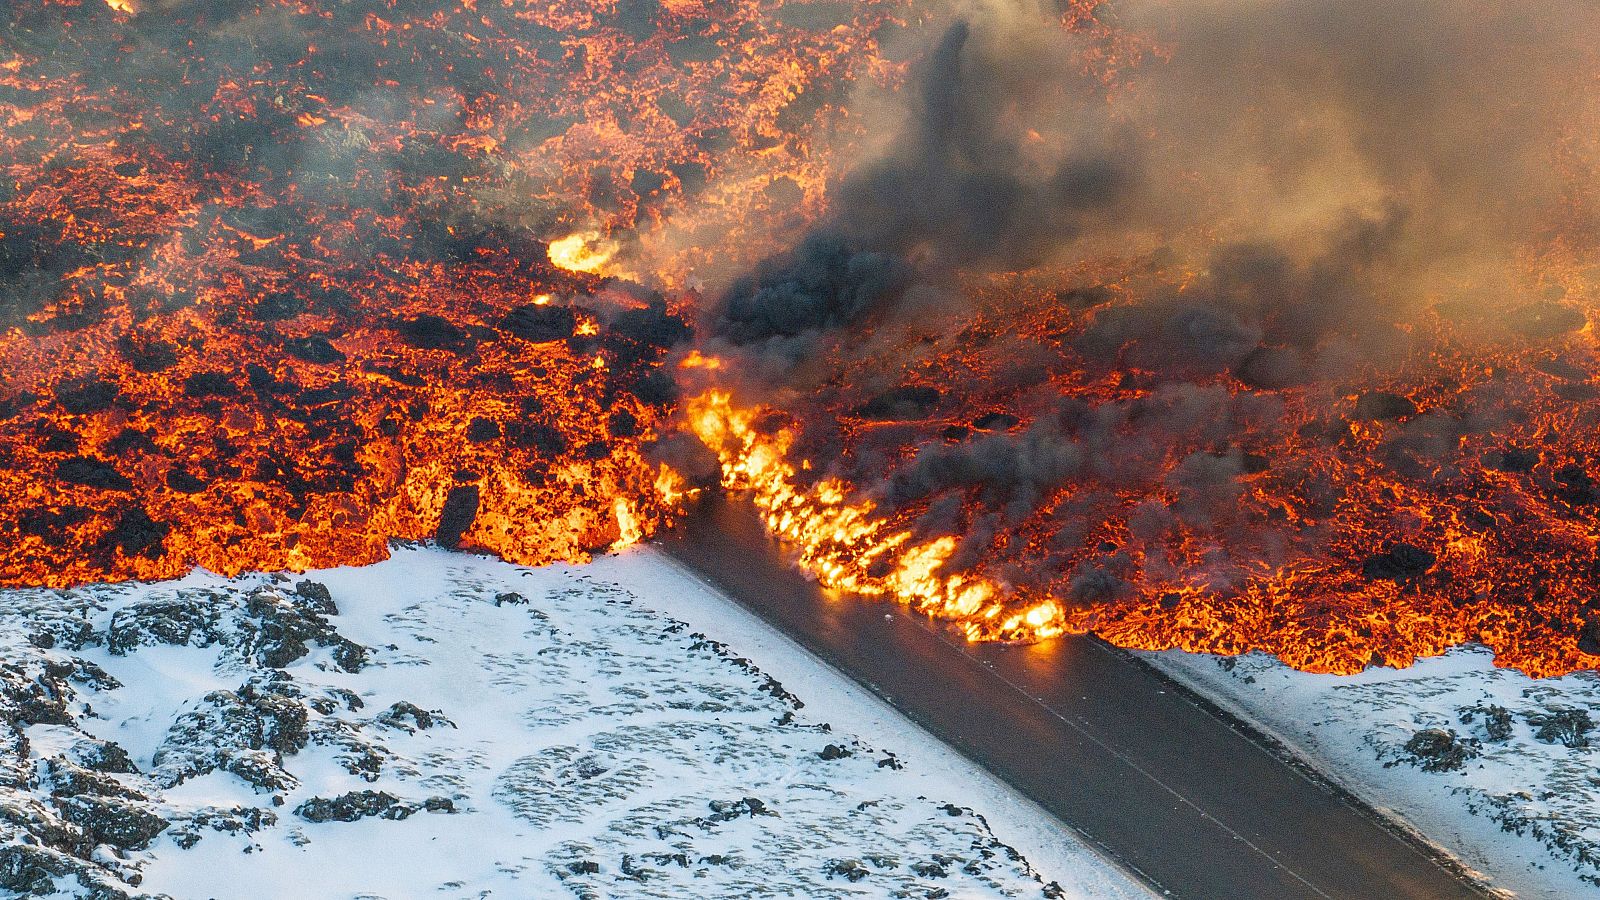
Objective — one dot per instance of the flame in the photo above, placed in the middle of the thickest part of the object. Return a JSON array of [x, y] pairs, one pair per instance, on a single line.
[[584, 251], [694, 359], [124, 6], [630, 530], [672, 488], [844, 544]]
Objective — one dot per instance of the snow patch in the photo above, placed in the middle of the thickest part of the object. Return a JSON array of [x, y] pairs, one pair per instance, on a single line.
[[1495, 767], [449, 725]]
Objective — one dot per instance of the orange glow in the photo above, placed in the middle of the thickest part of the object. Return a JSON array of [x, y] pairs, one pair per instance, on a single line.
[[696, 360], [276, 307], [843, 543]]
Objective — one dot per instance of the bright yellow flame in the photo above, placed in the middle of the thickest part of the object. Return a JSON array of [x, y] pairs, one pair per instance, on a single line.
[[123, 6], [584, 251], [542, 300], [628, 528], [671, 487], [847, 545], [696, 360]]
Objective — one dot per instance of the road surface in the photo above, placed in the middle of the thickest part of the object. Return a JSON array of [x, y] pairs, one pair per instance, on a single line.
[[1134, 764]]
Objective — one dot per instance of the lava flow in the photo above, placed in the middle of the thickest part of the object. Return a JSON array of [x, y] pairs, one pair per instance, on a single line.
[[845, 544], [1266, 356], [1227, 327], [281, 281]]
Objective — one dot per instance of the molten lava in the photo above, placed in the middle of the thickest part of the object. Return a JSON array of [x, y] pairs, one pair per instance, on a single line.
[[289, 279], [582, 252], [281, 281], [1453, 503]]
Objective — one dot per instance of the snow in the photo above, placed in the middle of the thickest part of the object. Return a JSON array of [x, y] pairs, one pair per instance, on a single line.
[[611, 730], [1514, 804]]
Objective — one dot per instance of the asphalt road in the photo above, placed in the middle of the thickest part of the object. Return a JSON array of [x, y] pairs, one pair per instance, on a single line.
[[1134, 764]]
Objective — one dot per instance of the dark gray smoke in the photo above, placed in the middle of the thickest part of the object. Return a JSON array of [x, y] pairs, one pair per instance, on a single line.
[[1325, 168], [958, 189], [960, 182], [823, 285]]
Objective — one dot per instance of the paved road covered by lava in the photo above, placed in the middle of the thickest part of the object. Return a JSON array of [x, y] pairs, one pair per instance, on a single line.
[[1135, 764]]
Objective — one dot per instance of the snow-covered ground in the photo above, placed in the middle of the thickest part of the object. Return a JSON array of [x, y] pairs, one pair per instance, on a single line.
[[445, 725], [1498, 768]]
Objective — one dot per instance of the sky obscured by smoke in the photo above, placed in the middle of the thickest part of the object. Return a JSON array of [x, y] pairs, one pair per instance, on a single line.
[[1309, 172]]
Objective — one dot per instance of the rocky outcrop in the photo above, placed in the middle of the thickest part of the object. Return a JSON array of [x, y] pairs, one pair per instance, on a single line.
[[268, 626], [412, 718], [1440, 750], [246, 732], [685, 761], [361, 804]]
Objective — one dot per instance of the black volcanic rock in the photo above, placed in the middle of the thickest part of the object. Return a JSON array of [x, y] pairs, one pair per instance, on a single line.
[[313, 349], [1547, 320], [353, 806], [148, 355], [482, 431], [995, 421], [410, 717], [1382, 405], [622, 424], [1576, 486], [651, 325], [427, 332], [316, 597], [654, 389], [1401, 562], [117, 822], [184, 483], [187, 619], [909, 402], [1439, 750], [278, 306], [1512, 459], [1568, 727], [91, 472], [1589, 639], [536, 435], [209, 384], [460, 508], [136, 533], [538, 323], [86, 397]]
